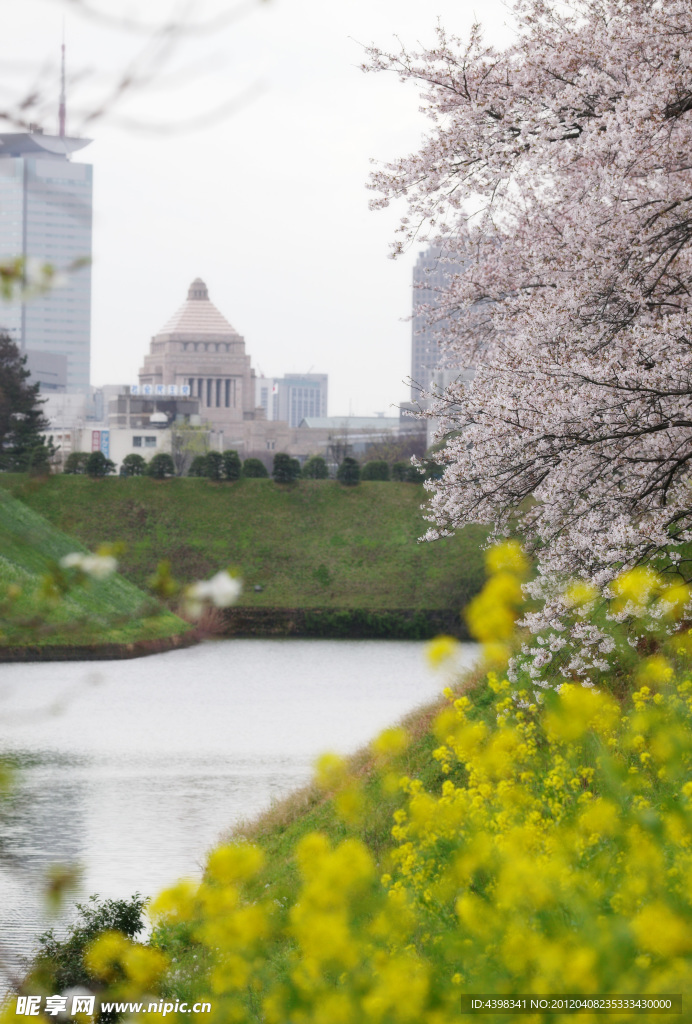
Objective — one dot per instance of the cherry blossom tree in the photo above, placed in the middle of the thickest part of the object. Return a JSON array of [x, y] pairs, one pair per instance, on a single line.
[[558, 174]]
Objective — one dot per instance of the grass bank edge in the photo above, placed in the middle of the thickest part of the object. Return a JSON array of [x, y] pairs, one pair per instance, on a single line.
[[105, 612]]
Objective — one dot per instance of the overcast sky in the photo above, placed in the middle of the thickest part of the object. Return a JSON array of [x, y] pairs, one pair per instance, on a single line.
[[268, 205]]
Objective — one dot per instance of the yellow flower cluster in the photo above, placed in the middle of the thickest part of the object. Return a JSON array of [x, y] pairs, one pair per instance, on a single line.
[[556, 856], [552, 855]]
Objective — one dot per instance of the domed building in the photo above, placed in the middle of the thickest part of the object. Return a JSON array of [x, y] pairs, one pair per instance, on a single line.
[[199, 348]]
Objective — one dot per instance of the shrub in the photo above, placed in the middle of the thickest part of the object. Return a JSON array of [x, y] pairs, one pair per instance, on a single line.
[[348, 472], [315, 468], [377, 469], [161, 466], [76, 462], [134, 465], [232, 466], [414, 475], [286, 470], [254, 468], [198, 466], [214, 465], [97, 465], [59, 963]]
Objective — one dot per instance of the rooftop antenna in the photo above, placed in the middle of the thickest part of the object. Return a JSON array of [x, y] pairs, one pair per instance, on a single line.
[[61, 109]]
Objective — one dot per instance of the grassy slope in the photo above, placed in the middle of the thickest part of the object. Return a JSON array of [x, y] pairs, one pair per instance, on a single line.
[[310, 810], [316, 544], [107, 611]]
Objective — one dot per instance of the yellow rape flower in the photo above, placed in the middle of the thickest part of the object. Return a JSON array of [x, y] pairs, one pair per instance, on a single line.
[[507, 556], [230, 864], [391, 742], [580, 710], [104, 955], [441, 649], [579, 594], [655, 670], [637, 586], [659, 930]]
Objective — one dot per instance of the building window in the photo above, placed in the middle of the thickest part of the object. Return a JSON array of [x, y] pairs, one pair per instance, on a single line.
[[136, 442], [218, 394], [150, 442], [200, 389], [209, 384], [227, 395], [271, 445]]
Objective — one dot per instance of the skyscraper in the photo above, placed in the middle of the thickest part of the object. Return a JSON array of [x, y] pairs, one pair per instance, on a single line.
[[45, 218], [430, 276]]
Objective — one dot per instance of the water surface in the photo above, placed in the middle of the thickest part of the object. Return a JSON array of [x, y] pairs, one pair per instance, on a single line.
[[133, 769]]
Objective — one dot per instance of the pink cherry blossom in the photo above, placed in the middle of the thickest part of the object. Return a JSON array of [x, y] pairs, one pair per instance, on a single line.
[[559, 172]]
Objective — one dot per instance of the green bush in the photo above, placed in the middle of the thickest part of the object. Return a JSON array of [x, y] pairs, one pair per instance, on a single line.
[[198, 466], [377, 469], [97, 465], [214, 465], [254, 468], [161, 466], [232, 466], [315, 468], [348, 472], [286, 470], [134, 465], [59, 963], [76, 462]]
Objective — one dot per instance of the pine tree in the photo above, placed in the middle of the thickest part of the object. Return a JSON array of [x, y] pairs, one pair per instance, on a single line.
[[22, 423]]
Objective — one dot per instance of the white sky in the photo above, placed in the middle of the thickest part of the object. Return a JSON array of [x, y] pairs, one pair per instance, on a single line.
[[269, 205]]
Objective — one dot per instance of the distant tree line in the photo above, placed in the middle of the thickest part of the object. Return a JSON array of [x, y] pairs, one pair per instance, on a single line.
[[227, 466]]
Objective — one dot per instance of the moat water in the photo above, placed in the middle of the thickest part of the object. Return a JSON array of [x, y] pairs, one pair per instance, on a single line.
[[132, 770]]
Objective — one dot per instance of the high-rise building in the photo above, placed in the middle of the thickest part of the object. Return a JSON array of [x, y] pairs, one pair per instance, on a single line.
[[293, 397], [45, 218], [431, 275]]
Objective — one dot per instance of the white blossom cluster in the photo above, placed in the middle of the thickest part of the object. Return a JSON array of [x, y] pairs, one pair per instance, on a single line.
[[221, 591], [557, 175], [99, 567]]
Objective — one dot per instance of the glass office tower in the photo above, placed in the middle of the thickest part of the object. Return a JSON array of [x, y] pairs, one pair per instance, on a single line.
[[46, 217]]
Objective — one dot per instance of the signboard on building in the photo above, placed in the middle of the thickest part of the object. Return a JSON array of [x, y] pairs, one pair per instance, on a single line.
[[96, 440], [105, 442], [159, 390]]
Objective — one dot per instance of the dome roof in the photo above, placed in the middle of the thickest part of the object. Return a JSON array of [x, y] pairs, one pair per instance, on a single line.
[[198, 316]]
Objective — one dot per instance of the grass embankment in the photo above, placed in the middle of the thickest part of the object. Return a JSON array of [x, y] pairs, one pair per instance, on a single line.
[[519, 852], [312, 545], [97, 613], [312, 809]]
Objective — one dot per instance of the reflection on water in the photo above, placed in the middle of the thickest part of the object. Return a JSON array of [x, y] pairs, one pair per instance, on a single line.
[[150, 760]]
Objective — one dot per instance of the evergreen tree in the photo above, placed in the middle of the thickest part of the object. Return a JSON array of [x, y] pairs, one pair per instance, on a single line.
[[254, 468], [315, 468], [98, 465], [232, 466], [348, 472], [376, 469], [198, 466], [214, 465], [134, 465], [286, 470], [161, 466], [76, 462], [22, 423]]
